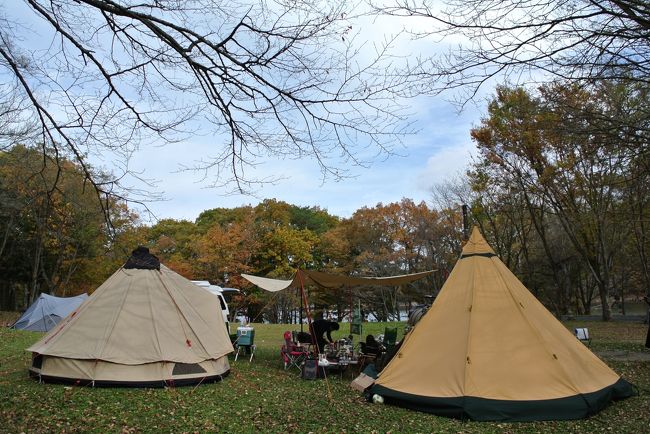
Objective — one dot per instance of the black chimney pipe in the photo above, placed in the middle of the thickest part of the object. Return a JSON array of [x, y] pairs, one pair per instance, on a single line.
[[465, 222]]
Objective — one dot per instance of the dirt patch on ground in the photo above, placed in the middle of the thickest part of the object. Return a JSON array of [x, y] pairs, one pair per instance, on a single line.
[[625, 356], [8, 318]]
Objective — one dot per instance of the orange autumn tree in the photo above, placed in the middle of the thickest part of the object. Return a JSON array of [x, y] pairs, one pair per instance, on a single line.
[[173, 241], [226, 251], [572, 152], [391, 239], [54, 233]]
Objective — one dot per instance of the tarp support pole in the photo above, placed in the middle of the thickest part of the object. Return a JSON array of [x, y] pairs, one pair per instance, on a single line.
[[311, 332], [300, 294], [304, 301]]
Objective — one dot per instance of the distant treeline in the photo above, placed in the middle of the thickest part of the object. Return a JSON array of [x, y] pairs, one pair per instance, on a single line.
[[559, 188]]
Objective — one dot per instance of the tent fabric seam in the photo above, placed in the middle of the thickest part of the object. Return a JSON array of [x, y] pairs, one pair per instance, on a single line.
[[155, 326], [115, 318], [190, 305], [542, 342], [467, 362]]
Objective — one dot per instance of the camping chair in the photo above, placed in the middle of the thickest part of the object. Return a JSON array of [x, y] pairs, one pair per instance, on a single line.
[[368, 352], [390, 337], [304, 340], [292, 353], [583, 335]]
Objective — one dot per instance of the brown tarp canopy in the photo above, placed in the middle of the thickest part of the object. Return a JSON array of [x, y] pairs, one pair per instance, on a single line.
[[327, 280]]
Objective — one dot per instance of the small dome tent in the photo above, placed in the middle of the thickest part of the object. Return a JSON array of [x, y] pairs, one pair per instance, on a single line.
[[487, 349], [146, 326], [47, 311]]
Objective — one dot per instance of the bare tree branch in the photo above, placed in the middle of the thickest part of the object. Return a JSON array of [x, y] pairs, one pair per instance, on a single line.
[[529, 40], [279, 79]]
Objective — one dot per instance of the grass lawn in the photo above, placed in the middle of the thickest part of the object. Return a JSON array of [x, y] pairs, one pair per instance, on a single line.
[[262, 397]]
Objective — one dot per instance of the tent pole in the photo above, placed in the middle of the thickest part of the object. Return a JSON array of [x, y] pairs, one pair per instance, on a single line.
[[307, 311], [313, 336], [351, 309], [47, 326], [300, 295]]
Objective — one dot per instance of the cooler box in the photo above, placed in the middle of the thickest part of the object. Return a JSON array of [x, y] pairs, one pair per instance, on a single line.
[[245, 336]]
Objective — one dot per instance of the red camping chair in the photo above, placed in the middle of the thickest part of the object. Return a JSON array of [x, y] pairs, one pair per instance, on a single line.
[[292, 353]]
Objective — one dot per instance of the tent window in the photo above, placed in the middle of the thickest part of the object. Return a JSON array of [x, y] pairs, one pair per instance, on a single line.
[[37, 361], [187, 368], [223, 303]]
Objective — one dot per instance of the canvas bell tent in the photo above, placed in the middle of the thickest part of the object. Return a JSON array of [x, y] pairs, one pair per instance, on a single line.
[[487, 349], [144, 326], [47, 311]]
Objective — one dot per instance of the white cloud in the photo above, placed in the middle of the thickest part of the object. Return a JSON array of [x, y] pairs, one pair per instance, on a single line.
[[444, 164], [440, 150]]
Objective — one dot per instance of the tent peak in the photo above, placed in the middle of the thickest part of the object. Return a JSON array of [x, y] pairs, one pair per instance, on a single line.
[[142, 259], [477, 244]]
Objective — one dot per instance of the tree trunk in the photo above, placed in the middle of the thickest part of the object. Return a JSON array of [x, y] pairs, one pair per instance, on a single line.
[[603, 292], [6, 235], [32, 293]]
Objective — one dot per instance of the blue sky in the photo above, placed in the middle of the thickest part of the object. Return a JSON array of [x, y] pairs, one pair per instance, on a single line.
[[441, 149]]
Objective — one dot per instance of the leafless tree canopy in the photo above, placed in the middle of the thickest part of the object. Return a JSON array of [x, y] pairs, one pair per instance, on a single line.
[[271, 78], [15, 123], [529, 39]]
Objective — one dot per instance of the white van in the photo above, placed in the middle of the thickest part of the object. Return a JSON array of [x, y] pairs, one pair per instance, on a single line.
[[219, 293]]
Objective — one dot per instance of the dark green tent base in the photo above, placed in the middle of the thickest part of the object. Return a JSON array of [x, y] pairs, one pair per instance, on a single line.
[[142, 384], [481, 409]]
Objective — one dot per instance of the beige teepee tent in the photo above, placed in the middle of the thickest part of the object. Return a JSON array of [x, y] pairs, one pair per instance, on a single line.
[[145, 326], [488, 350]]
